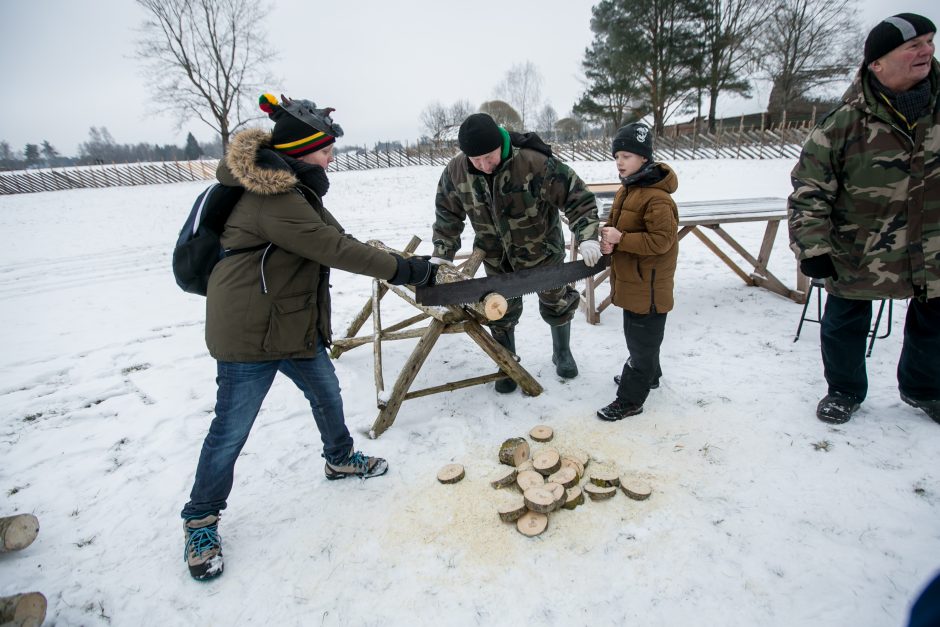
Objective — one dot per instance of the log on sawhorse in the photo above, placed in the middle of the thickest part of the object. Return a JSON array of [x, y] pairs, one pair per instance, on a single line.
[[467, 319]]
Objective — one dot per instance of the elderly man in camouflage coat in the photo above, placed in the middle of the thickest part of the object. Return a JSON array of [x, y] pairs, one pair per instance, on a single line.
[[865, 215], [511, 188]]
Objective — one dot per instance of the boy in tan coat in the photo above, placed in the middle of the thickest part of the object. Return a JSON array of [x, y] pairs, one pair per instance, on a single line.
[[642, 236]]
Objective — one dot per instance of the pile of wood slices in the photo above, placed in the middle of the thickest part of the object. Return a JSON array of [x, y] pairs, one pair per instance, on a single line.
[[547, 481]]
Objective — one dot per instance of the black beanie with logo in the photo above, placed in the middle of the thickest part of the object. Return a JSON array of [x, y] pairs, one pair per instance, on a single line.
[[894, 31], [635, 137]]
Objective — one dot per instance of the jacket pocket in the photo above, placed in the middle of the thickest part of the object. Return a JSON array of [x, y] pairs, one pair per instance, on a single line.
[[290, 325]]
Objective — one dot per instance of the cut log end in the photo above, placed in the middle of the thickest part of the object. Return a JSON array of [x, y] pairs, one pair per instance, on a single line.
[[514, 451], [451, 473], [636, 489], [529, 479], [542, 433], [604, 478], [540, 499], [546, 461], [532, 524], [573, 497], [494, 306], [598, 493], [503, 478], [18, 532], [567, 476], [26, 610], [512, 508]]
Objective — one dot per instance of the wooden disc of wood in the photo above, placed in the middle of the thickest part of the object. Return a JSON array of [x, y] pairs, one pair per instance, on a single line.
[[566, 476], [636, 489], [573, 497], [558, 491], [17, 532], [27, 609], [598, 493], [504, 477], [494, 306], [512, 507], [532, 524], [451, 473], [539, 499], [542, 433], [529, 479], [546, 461], [571, 462], [604, 478], [526, 465], [514, 451], [579, 455]]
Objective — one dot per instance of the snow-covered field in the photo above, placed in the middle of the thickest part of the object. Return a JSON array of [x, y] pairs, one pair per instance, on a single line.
[[760, 514]]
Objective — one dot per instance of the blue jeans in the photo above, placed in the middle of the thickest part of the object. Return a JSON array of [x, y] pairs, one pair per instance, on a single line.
[[242, 388]]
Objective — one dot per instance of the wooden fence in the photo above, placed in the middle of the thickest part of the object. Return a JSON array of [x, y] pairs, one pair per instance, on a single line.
[[775, 143]]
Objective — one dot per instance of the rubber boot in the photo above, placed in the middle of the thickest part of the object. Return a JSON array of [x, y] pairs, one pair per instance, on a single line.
[[565, 366], [507, 339]]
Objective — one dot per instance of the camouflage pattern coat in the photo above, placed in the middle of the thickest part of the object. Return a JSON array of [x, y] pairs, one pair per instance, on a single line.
[[867, 192], [515, 211]]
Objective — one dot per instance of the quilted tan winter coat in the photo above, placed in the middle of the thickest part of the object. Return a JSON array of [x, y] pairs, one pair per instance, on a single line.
[[281, 309], [643, 264]]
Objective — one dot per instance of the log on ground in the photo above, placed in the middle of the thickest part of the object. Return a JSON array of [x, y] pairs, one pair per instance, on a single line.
[[18, 532], [546, 461], [598, 493], [23, 610], [532, 524], [636, 489], [513, 451], [511, 508], [542, 433], [451, 473], [504, 477]]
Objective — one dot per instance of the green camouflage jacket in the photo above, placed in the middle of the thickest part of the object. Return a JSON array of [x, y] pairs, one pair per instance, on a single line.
[[516, 220], [867, 192]]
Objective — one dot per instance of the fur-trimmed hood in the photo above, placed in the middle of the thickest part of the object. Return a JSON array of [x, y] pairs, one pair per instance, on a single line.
[[242, 168]]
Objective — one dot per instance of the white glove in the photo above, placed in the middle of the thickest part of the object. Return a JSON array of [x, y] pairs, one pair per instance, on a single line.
[[591, 251], [440, 261]]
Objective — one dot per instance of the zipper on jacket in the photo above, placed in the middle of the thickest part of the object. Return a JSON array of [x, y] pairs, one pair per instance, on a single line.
[[653, 291], [264, 257]]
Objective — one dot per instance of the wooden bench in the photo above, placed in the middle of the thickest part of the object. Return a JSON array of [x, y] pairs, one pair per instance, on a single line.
[[695, 217]]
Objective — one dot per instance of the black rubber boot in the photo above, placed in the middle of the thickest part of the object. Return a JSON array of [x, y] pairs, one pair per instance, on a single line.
[[507, 339], [561, 352]]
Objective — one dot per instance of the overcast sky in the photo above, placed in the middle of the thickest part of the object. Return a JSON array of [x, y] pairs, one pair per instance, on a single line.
[[67, 65]]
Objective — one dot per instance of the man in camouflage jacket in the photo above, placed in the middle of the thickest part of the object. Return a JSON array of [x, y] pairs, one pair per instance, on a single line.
[[511, 188], [865, 215]]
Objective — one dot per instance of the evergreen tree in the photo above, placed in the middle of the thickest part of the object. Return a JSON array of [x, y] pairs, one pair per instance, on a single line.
[[192, 149], [31, 154]]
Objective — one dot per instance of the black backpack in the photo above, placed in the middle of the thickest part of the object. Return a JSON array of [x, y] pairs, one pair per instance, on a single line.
[[198, 248]]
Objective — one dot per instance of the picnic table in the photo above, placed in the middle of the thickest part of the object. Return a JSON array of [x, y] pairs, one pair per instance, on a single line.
[[699, 217]]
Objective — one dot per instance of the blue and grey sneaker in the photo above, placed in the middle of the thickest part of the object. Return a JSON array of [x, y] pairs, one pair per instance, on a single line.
[[203, 552], [356, 465]]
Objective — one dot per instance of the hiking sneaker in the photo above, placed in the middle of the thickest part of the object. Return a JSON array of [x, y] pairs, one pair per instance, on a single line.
[[356, 465], [836, 408], [931, 408], [618, 410], [203, 552], [653, 385]]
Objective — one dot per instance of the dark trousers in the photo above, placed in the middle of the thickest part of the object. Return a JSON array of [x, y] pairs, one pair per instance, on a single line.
[[844, 336], [644, 334]]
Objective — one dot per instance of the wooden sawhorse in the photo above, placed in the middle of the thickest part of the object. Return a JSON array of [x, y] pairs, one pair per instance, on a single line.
[[447, 319]]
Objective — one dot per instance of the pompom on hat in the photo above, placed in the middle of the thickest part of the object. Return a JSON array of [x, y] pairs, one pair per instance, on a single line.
[[894, 31], [478, 135], [635, 137], [299, 127]]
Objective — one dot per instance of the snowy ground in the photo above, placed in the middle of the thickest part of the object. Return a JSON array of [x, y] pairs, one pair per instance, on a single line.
[[761, 515]]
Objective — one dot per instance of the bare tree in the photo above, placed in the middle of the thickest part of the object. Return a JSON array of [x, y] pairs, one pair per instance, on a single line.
[[206, 58], [459, 111], [503, 113], [522, 88], [545, 122], [434, 119], [568, 129], [807, 44], [731, 31]]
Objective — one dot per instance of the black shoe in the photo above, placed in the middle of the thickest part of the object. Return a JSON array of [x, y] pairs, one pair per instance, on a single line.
[[618, 410], [836, 408], [931, 408], [653, 385]]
